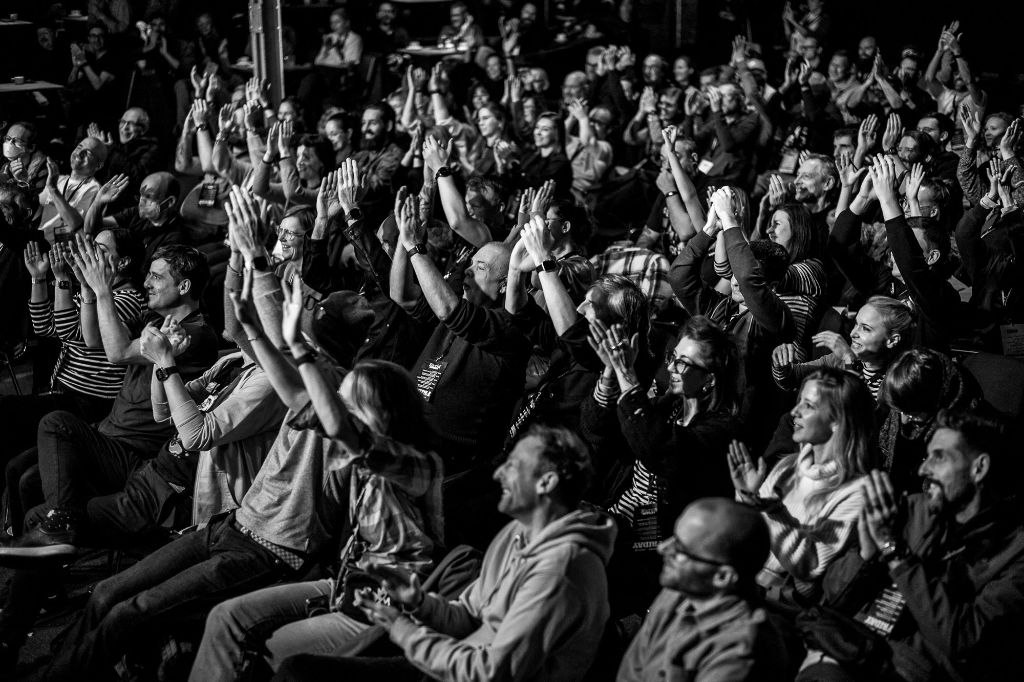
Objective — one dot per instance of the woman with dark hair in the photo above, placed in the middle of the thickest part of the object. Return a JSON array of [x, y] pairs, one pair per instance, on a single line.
[[811, 499], [673, 445], [492, 125], [918, 384], [547, 161], [394, 505]]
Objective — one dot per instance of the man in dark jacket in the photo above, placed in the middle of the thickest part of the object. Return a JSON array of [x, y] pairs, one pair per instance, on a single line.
[[946, 588]]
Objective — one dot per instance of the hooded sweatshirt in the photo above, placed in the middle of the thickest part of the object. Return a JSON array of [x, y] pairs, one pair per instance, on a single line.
[[537, 611]]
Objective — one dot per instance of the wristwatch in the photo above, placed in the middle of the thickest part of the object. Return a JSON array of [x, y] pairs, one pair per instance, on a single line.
[[417, 248], [443, 172], [64, 284], [889, 550], [260, 263], [549, 265], [164, 373], [354, 214]]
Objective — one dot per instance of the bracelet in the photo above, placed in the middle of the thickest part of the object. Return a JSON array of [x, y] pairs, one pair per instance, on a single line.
[[202, 126], [671, 193], [91, 301], [549, 265], [256, 338], [38, 280]]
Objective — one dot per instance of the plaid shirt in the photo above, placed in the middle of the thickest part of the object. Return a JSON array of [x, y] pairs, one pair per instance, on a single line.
[[649, 270]]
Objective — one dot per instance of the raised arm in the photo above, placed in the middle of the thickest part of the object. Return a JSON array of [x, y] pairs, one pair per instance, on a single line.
[[412, 237], [95, 221], [538, 241], [470, 229], [403, 290]]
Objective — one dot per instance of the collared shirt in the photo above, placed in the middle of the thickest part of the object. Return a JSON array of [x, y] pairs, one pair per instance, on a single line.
[[722, 638], [649, 270]]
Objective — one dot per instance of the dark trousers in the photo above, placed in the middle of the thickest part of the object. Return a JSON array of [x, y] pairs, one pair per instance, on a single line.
[[19, 423], [179, 582], [77, 462], [311, 668]]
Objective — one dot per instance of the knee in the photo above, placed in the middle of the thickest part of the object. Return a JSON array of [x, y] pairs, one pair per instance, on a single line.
[[223, 621], [57, 423]]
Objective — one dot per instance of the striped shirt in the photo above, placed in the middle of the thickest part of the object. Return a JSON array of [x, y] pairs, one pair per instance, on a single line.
[[80, 368]]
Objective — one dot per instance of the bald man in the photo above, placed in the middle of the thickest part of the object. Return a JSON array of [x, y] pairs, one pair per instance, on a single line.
[[708, 622], [134, 153]]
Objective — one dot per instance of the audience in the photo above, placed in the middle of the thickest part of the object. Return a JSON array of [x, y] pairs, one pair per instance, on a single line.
[[296, 347]]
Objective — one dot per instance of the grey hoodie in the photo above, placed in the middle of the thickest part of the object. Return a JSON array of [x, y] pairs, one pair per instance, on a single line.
[[537, 611]]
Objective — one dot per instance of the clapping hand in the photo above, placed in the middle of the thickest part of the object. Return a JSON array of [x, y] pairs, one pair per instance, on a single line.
[[848, 175], [1008, 143], [52, 173], [914, 181], [59, 255], [970, 121], [410, 231], [285, 130], [36, 262], [226, 119], [351, 185], [95, 265], [327, 205], [154, 346], [537, 239], [434, 155], [542, 199], [877, 523], [723, 200], [245, 307], [885, 181], [578, 109], [110, 191], [94, 131], [776, 191], [244, 223], [747, 476], [893, 132]]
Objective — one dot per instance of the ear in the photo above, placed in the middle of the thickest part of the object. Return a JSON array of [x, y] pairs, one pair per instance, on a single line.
[[980, 467], [829, 183], [893, 340], [724, 578], [547, 483], [932, 257], [503, 286], [123, 263], [185, 286], [566, 226]]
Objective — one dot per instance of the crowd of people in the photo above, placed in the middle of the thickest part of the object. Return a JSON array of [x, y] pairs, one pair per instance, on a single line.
[[435, 370]]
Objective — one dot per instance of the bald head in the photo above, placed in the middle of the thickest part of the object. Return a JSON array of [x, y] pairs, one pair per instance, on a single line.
[[727, 531]]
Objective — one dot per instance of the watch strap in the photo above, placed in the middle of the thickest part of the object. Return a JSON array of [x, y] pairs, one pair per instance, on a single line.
[[164, 373], [549, 265], [417, 248]]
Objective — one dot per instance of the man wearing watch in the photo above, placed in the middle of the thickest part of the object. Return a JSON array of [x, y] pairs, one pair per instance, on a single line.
[[78, 461], [940, 576]]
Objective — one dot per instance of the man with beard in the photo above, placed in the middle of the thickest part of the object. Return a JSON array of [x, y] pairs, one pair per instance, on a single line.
[[378, 159], [938, 576], [155, 221], [708, 623]]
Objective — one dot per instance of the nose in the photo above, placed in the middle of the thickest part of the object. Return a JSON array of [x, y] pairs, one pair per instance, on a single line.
[[924, 470]]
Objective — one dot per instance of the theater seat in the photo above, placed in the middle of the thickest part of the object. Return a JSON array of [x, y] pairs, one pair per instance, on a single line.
[[1001, 379]]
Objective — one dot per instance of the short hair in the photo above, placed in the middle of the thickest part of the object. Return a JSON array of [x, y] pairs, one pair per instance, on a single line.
[[486, 186], [621, 300], [743, 544], [31, 132], [713, 71], [848, 131], [386, 112], [915, 381], [946, 124], [773, 259], [342, 118], [925, 143], [722, 360], [304, 214], [845, 54], [340, 12], [982, 430], [15, 204], [565, 453], [828, 167], [935, 237], [188, 263], [128, 246], [576, 215]]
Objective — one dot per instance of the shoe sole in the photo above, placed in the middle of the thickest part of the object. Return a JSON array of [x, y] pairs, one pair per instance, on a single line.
[[14, 557]]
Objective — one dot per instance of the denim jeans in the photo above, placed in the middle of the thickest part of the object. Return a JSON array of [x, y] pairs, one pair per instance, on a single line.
[[271, 621], [179, 582]]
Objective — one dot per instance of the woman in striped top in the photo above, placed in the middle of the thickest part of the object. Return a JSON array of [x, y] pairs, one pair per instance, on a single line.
[[885, 328], [811, 499], [83, 381]]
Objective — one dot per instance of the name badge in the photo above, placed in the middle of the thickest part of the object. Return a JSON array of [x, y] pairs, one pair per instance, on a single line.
[[645, 528], [882, 613], [1012, 336], [429, 377]]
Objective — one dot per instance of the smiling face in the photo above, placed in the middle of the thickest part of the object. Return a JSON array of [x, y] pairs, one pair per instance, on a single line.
[[682, 72], [286, 111], [995, 126], [494, 68], [132, 125], [909, 151], [810, 181], [545, 133], [780, 229], [518, 478], [839, 68], [870, 340], [163, 290], [336, 135], [843, 144], [307, 163], [687, 370], [487, 122], [374, 127], [867, 48], [290, 233], [687, 562], [812, 419], [950, 480], [653, 69], [87, 157], [481, 96], [484, 281]]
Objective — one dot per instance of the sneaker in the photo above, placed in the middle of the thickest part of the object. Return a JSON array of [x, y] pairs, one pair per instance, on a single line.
[[54, 537]]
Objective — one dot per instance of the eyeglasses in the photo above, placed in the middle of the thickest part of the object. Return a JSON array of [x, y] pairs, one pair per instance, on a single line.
[[20, 144], [130, 124], [677, 551], [288, 235], [680, 364]]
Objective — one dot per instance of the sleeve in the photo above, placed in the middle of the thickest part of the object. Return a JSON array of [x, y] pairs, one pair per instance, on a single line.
[[547, 607], [292, 187], [733, 138], [851, 260], [42, 315], [926, 286], [949, 619], [806, 550], [970, 244], [660, 445], [66, 323], [684, 274], [378, 178], [967, 172], [125, 217], [488, 330], [250, 409], [768, 309]]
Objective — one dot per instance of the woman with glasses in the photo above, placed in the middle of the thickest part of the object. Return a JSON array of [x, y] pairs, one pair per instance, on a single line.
[[673, 443], [812, 498], [295, 224], [23, 164]]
